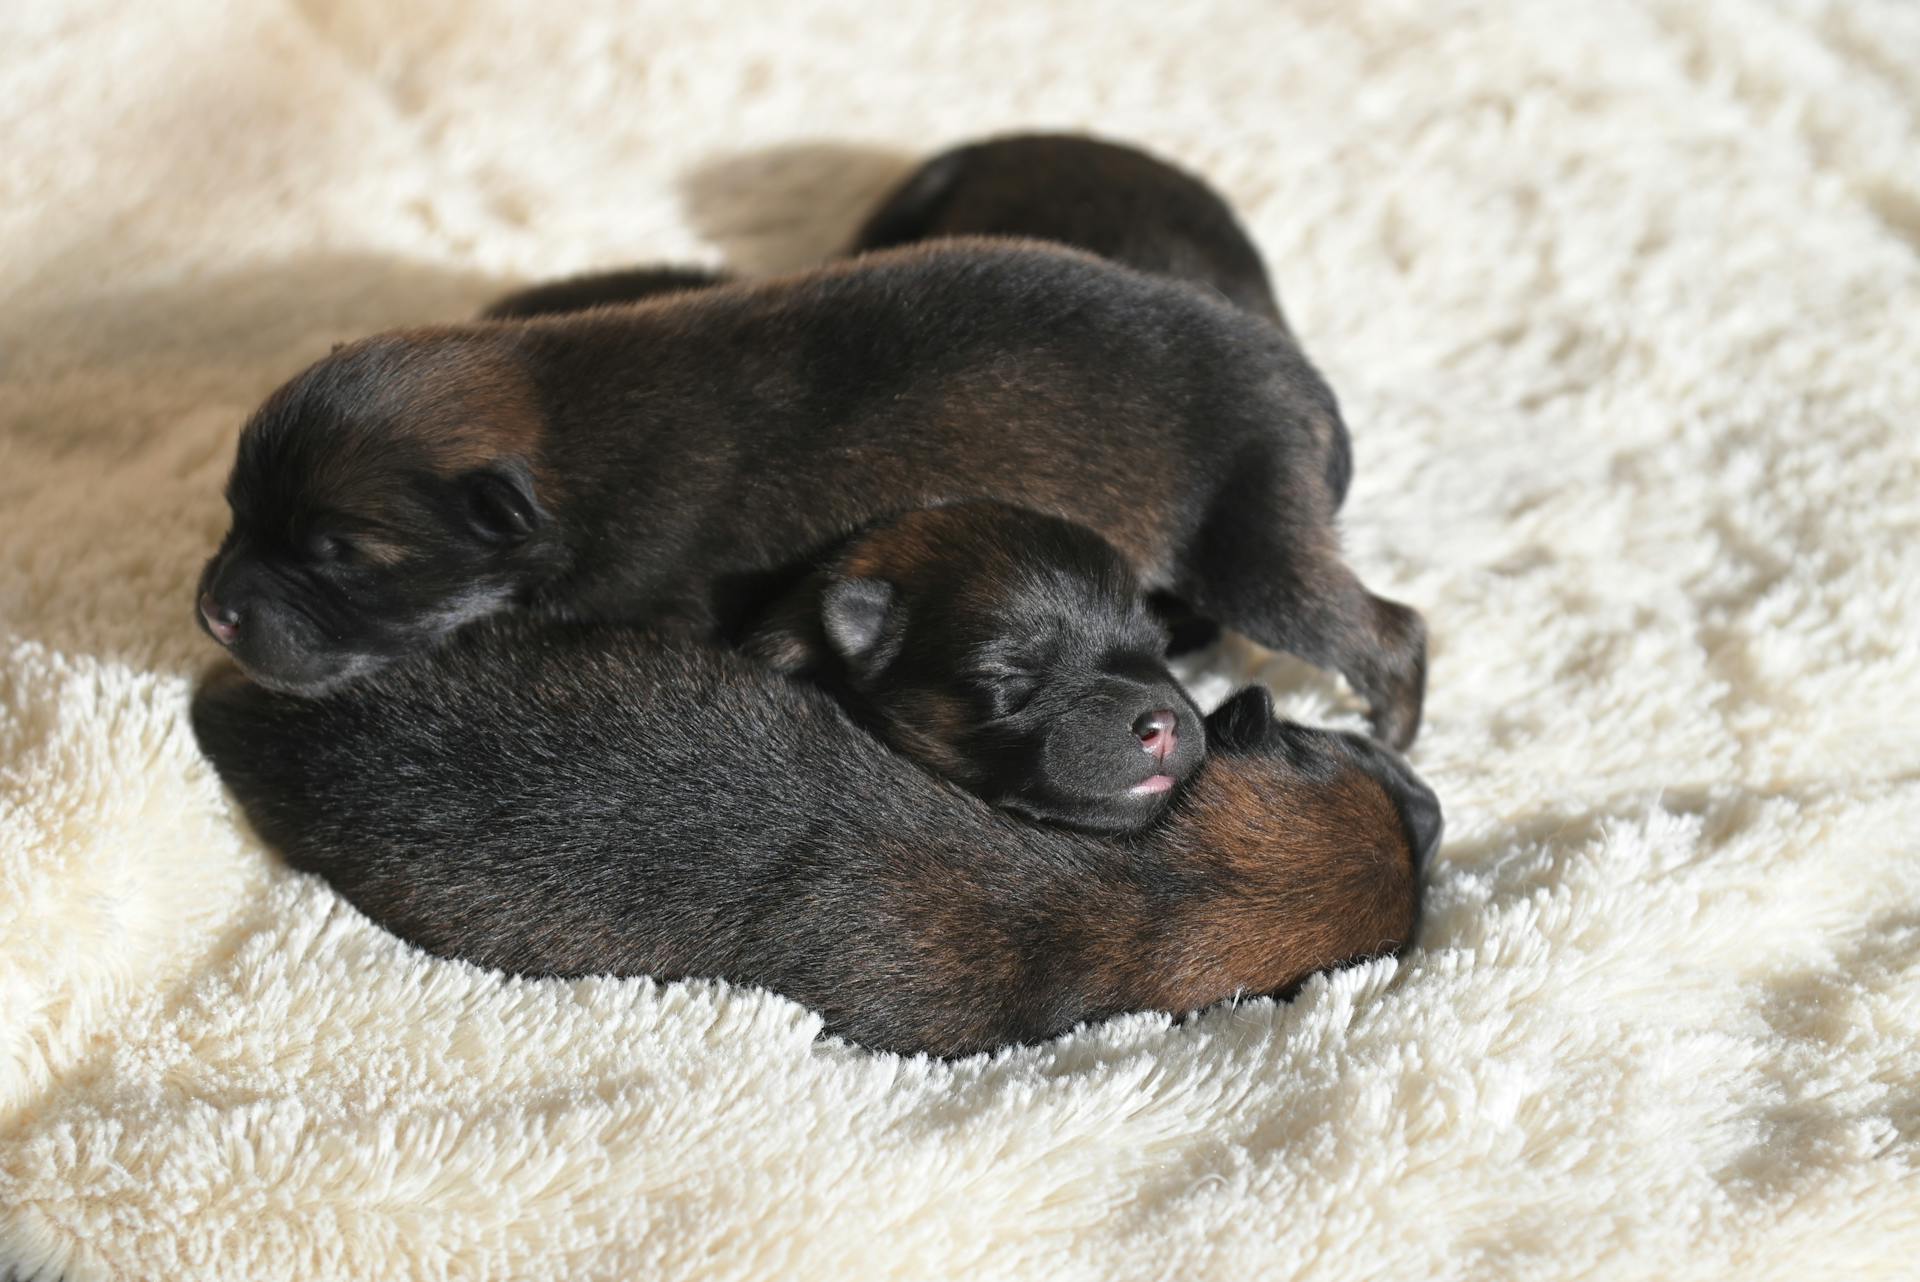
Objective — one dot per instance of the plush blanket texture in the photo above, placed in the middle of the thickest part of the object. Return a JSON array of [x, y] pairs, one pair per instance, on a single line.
[[1623, 301]]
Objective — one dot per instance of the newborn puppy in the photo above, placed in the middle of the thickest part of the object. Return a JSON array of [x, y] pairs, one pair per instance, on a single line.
[[672, 460], [1011, 652], [1106, 198], [586, 800], [1111, 200]]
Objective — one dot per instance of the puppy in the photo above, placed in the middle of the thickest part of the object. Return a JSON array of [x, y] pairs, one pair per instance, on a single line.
[[671, 460], [1111, 200], [1011, 652], [558, 799], [1106, 198]]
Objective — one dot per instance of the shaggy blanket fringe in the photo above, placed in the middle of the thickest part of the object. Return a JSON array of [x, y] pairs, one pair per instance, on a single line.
[[1623, 301]]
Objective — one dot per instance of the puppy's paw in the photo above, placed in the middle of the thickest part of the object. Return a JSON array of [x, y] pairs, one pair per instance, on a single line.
[[1396, 697]]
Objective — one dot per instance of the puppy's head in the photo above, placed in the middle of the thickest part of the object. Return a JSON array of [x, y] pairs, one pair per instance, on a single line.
[[1312, 843], [1012, 652], [1302, 757], [380, 500]]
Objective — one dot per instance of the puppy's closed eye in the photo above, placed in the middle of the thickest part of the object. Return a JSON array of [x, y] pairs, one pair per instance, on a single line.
[[328, 548], [500, 506], [1008, 692]]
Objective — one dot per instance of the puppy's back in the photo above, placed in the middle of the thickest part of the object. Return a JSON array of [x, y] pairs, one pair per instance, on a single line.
[[1112, 200], [584, 800], [571, 801]]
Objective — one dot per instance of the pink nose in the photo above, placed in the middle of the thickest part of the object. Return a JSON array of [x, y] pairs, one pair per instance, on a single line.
[[1158, 733], [222, 622]]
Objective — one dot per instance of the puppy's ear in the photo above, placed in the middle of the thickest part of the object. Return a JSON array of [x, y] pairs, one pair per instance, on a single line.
[[855, 614], [500, 505], [1243, 723]]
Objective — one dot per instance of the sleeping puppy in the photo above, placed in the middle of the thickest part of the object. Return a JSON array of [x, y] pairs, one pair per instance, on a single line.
[[1012, 653], [563, 799], [1106, 198], [673, 460]]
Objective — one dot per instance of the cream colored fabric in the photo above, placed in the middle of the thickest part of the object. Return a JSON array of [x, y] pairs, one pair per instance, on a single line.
[[1623, 301]]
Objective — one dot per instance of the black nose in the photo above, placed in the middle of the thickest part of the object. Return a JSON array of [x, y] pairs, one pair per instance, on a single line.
[[223, 622], [1159, 732]]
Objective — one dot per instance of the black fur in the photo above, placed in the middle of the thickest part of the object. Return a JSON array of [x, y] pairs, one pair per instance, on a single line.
[[1109, 199], [568, 800], [1106, 198], [1013, 653]]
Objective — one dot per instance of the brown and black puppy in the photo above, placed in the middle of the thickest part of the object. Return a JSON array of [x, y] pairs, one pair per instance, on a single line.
[[672, 460], [558, 799], [1012, 653], [1107, 198]]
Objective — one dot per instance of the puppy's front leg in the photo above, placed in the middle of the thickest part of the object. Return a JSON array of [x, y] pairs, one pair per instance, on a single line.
[[1285, 586]]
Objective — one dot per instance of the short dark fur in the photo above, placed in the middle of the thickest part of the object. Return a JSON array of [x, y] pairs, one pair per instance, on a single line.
[[1011, 652], [1102, 197], [1109, 199], [578, 799], [671, 459], [1105, 198], [1112, 200]]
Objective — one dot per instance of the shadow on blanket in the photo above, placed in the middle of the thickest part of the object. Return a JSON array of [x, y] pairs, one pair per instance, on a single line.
[[781, 209]]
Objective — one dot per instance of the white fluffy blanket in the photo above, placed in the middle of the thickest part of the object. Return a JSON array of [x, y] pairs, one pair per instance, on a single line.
[[1623, 300]]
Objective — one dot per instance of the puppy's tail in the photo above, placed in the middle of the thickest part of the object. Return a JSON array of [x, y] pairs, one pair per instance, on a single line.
[[600, 289]]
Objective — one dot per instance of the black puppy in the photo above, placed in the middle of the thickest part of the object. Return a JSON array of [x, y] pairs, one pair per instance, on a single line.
[[672, 459], [1106, 198], [580, 799], [1011, 652], [1112, 200]]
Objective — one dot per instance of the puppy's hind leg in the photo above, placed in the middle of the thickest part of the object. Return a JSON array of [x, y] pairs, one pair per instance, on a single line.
[[1283, 584]]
